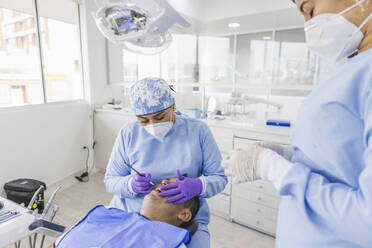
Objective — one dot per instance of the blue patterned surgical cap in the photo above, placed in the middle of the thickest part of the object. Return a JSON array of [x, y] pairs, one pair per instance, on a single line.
[[150, 95]]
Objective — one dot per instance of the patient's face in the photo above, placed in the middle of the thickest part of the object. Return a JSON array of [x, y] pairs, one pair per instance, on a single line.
[[155, 208]]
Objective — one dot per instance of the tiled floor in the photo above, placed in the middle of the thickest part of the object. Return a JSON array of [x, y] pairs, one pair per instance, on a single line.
[[78, 199]]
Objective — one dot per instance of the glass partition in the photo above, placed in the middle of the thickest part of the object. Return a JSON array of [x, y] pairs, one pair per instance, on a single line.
[[294, 64]]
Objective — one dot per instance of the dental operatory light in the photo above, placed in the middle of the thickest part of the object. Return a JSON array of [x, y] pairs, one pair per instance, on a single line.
[[234, 25], [140, 26]]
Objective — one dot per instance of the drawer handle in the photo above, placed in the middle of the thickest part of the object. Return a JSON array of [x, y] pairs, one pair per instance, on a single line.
[[259, 210], [259, 198], [260, 187]]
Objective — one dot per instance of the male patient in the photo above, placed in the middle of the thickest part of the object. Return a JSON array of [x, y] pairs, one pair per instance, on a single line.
[[158, 225]]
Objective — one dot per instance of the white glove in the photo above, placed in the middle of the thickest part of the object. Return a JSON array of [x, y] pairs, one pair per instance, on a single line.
[[285, 152], [256, 162], [244, 164]]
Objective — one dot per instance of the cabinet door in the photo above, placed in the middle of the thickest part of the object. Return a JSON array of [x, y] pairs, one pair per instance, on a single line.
[[220, 205], [260, 186], [255, 196], [241, 212], [106, 129], [254, 208]]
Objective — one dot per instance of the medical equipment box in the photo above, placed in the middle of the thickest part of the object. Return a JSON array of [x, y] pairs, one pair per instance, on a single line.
[[278, 123], [21, 191]]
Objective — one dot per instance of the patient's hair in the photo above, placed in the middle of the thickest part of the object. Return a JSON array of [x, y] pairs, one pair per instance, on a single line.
[[194, 205]]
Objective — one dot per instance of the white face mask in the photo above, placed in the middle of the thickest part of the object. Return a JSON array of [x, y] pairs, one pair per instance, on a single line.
[[332, 36], [159, 130]]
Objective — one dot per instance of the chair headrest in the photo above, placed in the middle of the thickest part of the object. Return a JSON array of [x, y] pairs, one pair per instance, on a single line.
[[192, 226]]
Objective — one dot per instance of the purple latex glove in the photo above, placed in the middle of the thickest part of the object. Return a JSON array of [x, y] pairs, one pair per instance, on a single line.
[[140, 184], [183, 190]]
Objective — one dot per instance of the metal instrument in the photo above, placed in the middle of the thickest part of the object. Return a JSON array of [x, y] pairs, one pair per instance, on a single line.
[[139, 173]]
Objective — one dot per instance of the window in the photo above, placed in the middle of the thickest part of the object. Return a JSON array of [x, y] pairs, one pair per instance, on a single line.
[[22, 81], [295, 64], [61, 50], [175, 65], [19, 61], [216, 59]]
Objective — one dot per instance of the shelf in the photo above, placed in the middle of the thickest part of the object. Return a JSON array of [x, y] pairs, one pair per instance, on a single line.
[[238, 86], [251, 86]]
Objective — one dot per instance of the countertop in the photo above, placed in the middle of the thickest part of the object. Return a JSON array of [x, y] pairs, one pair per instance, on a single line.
[[249, 125]]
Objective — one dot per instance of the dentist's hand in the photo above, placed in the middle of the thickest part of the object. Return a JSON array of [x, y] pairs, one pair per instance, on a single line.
[[244, 165], [183, 190], [141, 185], [256, 162]]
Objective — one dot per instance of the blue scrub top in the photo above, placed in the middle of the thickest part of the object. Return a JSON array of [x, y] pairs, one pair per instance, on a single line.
[[327, 195], [189, 147]]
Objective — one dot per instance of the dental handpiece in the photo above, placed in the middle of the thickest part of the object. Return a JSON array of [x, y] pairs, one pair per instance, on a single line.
[[139, 173], [49, 204]]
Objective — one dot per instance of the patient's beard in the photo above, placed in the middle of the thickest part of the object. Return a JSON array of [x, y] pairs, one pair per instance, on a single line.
[[158, 215], [156, 210]]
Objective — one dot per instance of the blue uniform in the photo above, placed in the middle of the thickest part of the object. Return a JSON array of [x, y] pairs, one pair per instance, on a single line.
[[327, 194], [106, 228], [189, 146]]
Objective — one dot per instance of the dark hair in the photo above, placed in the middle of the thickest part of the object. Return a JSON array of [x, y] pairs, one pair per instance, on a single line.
[[194, 205]]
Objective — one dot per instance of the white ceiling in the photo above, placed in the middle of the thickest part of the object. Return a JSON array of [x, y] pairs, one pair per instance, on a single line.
[[221, 9], [211, 17], [211, 10]]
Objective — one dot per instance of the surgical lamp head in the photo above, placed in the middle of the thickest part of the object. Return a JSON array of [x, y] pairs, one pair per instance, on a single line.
[[141, 26]]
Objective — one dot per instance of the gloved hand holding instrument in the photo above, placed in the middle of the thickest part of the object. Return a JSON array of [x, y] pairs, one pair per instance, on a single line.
[[141, 183], [267, 161]]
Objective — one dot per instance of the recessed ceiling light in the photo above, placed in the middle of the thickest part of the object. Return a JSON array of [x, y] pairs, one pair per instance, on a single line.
[[234, 25], [267, 37]]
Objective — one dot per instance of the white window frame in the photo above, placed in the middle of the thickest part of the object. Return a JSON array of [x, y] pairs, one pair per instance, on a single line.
[[41, 63]]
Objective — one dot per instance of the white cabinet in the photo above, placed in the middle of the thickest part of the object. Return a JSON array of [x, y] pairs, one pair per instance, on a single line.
[[258, 199], [252, 204], [107, 125], [220, 205]]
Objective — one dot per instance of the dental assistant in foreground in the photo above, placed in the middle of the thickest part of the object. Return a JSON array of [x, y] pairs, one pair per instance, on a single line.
[[326, 183], [159, 144]]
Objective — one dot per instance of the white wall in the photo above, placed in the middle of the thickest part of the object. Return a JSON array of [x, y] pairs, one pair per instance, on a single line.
[[44, 142], [94, 57], [221, 9]]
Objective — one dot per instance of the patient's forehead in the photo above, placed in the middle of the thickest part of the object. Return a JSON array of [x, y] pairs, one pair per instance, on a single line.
[[167, 181], [171, 180]]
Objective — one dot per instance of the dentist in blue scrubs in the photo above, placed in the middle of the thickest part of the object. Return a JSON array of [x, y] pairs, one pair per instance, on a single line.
[[164, 145], [326, 181]]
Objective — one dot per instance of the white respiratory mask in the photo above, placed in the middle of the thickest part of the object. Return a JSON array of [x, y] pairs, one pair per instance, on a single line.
[[332, 36], [160, 130]]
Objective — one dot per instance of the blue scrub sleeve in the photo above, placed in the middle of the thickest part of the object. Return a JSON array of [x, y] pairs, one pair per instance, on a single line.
[[213, 176], [117, 177], [338, 207]]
